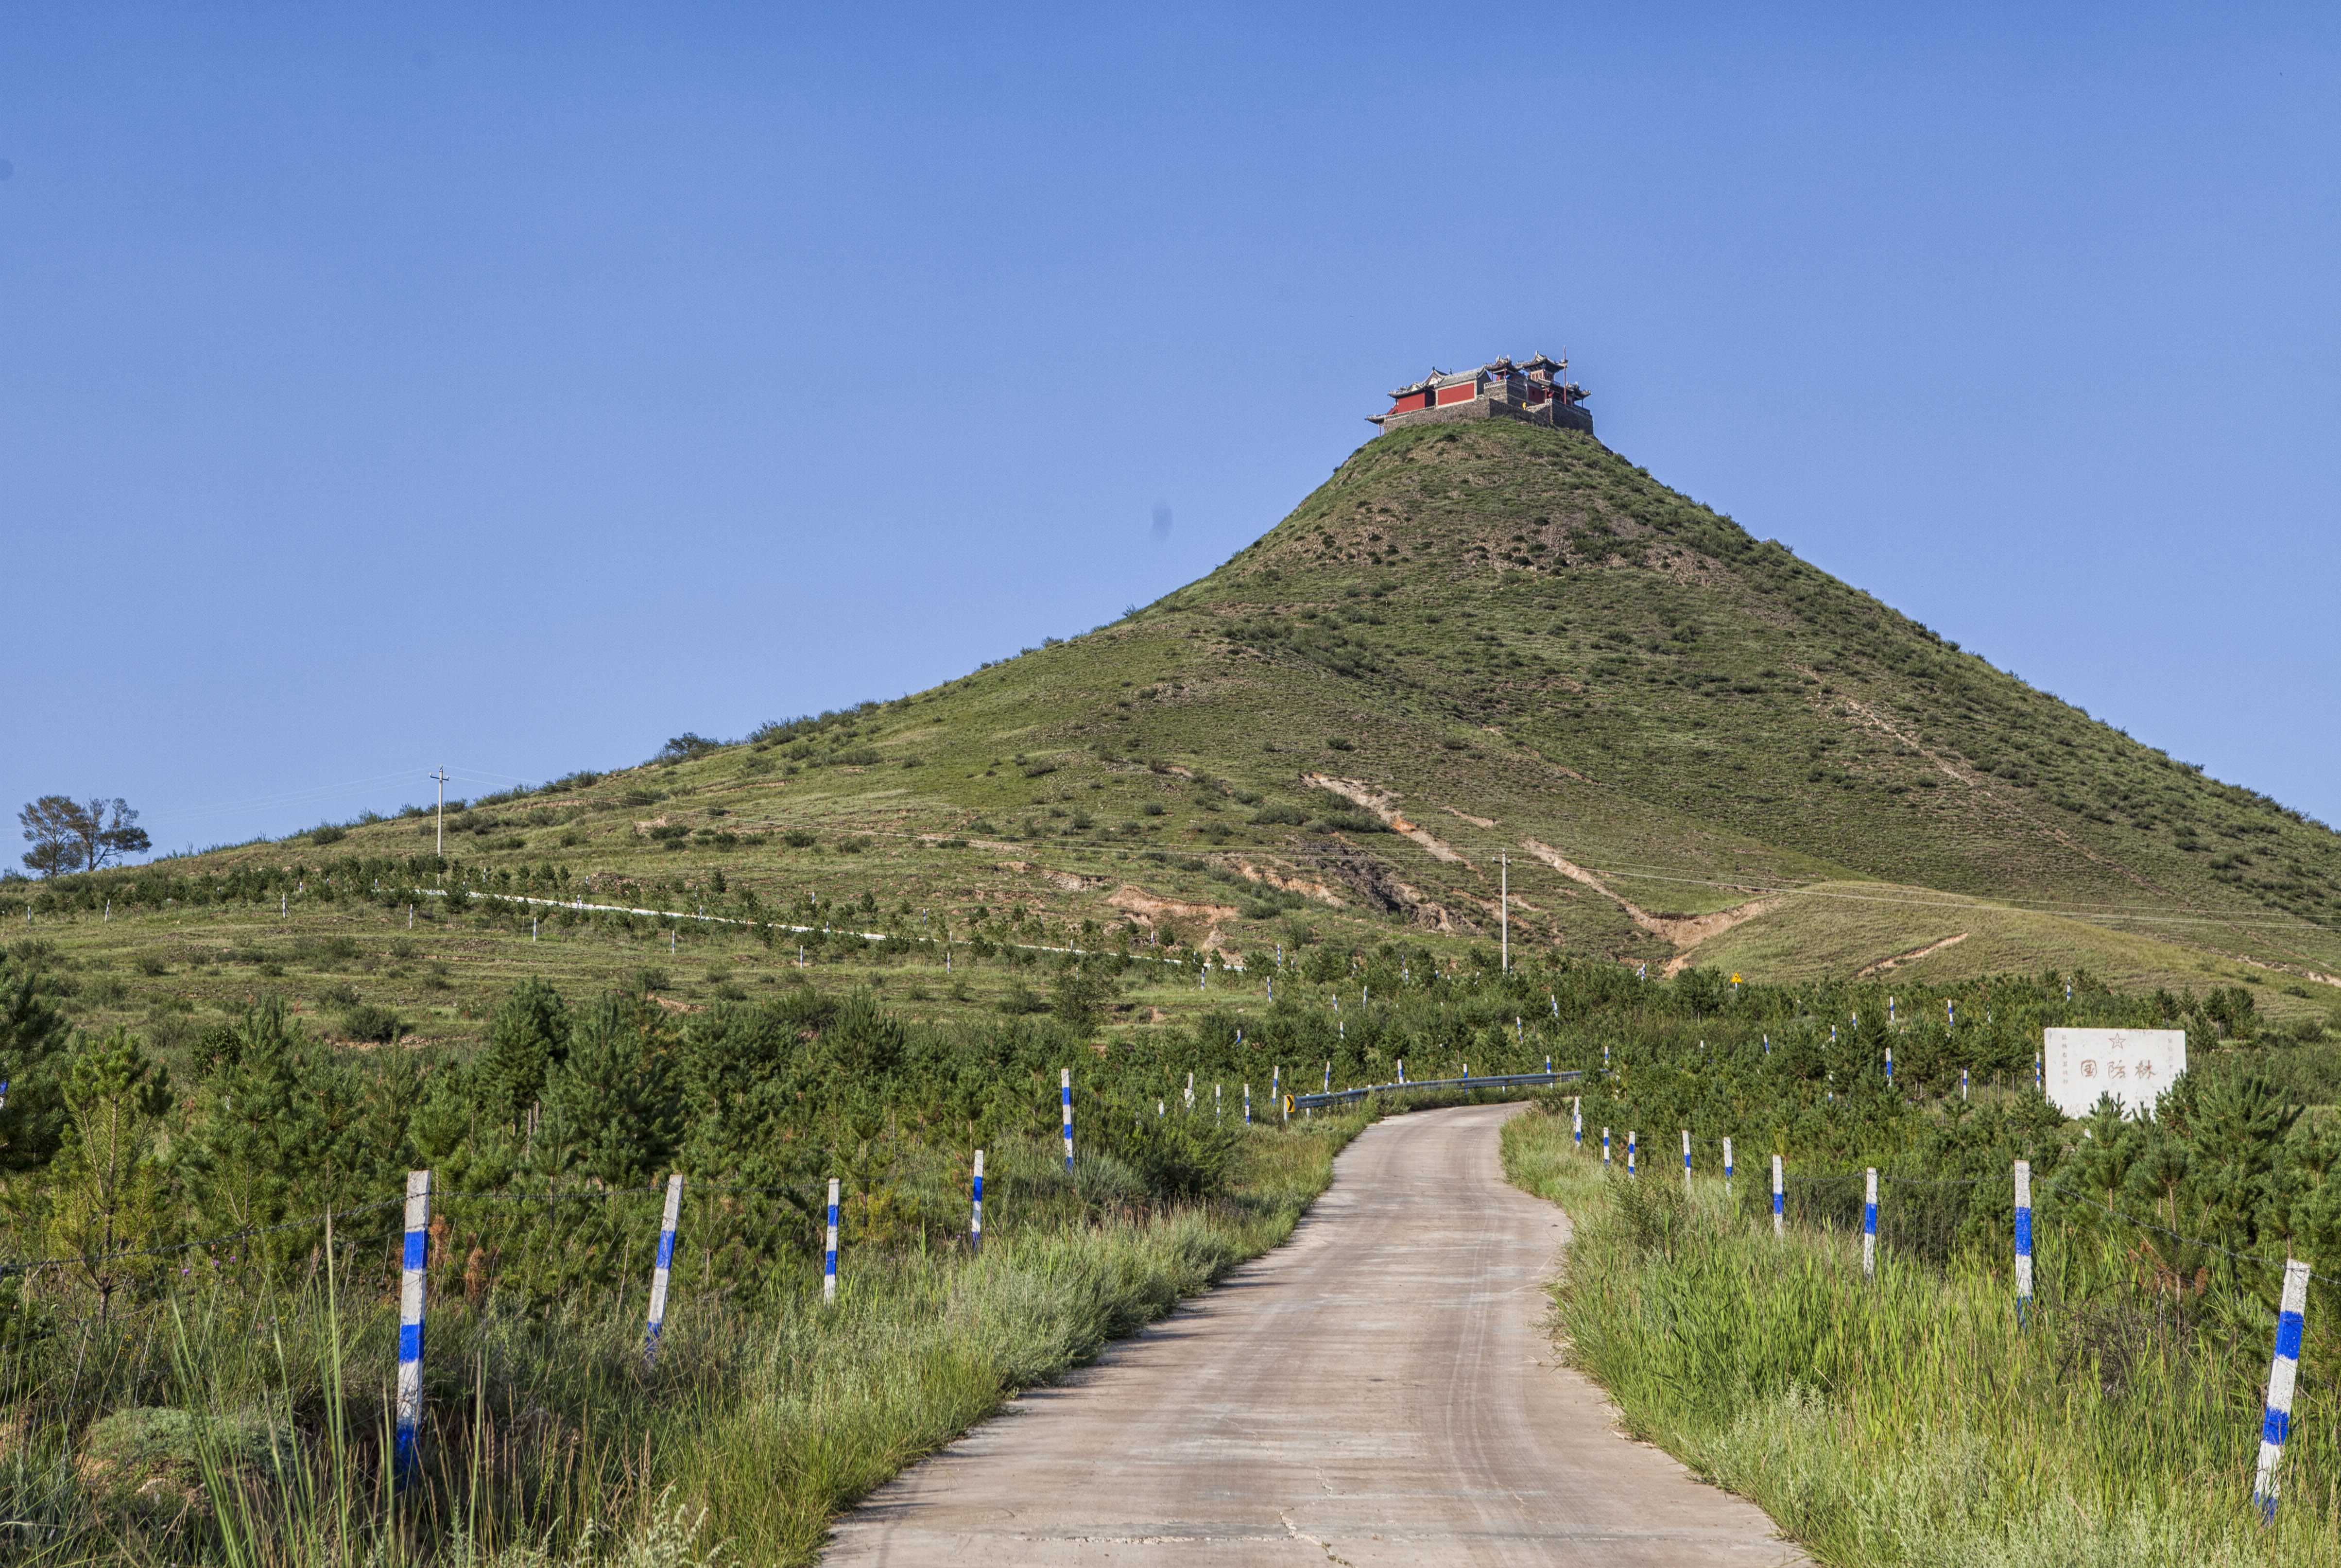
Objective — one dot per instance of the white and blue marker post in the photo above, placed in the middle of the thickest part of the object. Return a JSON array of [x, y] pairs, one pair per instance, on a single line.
[[1629, 1153], [1605, 1151], [1779, 1197], [2283, 1374], [975, 1221], [661, 1268], [1686, 1133], [829, 1253], [1726, 1169], [1065, 1094], [1247, 1104], [1577, 1118], [1869, 1226], [2023, 1240], [410, 1322]]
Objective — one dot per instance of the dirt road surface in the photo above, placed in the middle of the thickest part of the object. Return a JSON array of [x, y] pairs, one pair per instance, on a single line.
[[1375, 1392]]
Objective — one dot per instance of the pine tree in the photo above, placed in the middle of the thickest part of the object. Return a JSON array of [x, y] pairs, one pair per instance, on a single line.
[[111, 1202], [528, 1038], [613, 1109], [286, 1130], [33, 1036]]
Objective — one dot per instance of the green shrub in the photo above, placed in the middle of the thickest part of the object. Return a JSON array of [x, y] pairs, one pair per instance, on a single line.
[[1020, 999], [367, 1022], [797, 838], [1154, 808], [1269, 815], [1340, 742], [152, 1458], [328, 833], [1177, 1156]]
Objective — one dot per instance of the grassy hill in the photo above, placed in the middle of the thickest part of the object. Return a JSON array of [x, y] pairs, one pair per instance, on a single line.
[[1472, 645]]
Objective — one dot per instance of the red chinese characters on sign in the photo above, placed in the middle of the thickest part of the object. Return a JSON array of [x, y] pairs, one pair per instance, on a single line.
[[2088, 1069]]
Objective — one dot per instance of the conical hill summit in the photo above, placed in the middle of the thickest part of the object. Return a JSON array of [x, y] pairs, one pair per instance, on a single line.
[[1480, 656]]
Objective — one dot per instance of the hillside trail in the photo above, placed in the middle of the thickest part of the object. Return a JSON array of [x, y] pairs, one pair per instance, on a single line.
[[1377, 1391], [1685, 931]]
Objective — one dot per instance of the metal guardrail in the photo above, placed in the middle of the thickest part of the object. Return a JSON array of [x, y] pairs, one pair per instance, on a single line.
[[1484, 1080]]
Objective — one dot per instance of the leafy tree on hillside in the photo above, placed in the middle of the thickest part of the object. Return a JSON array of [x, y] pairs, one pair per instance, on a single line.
[[67, 835]]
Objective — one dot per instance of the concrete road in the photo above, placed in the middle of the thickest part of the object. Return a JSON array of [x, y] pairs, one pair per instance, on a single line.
[[1375, 1391]]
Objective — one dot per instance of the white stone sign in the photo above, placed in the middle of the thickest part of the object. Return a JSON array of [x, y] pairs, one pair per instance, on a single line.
[[2133, 1065]]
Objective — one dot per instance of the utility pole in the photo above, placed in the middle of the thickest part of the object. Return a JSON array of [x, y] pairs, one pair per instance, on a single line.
[[442, 777], [1504, 905]]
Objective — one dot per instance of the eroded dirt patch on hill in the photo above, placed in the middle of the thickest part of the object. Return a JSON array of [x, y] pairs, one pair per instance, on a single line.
[[1153, 911], [1382, 887], [1283, 881], [1384, 804]]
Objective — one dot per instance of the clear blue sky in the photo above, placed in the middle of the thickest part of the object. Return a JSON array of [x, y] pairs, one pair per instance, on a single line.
[[517, 386]]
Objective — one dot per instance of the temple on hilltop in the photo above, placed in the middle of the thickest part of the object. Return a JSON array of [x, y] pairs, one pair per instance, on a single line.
[[1536, 391]]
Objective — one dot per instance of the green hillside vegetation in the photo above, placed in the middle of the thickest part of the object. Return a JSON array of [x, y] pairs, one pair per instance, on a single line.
[[1470, 642], [1253, 834]]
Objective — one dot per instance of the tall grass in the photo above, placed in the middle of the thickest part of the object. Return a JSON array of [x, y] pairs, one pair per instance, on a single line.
[[1910, 1419], [218, 1425]]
